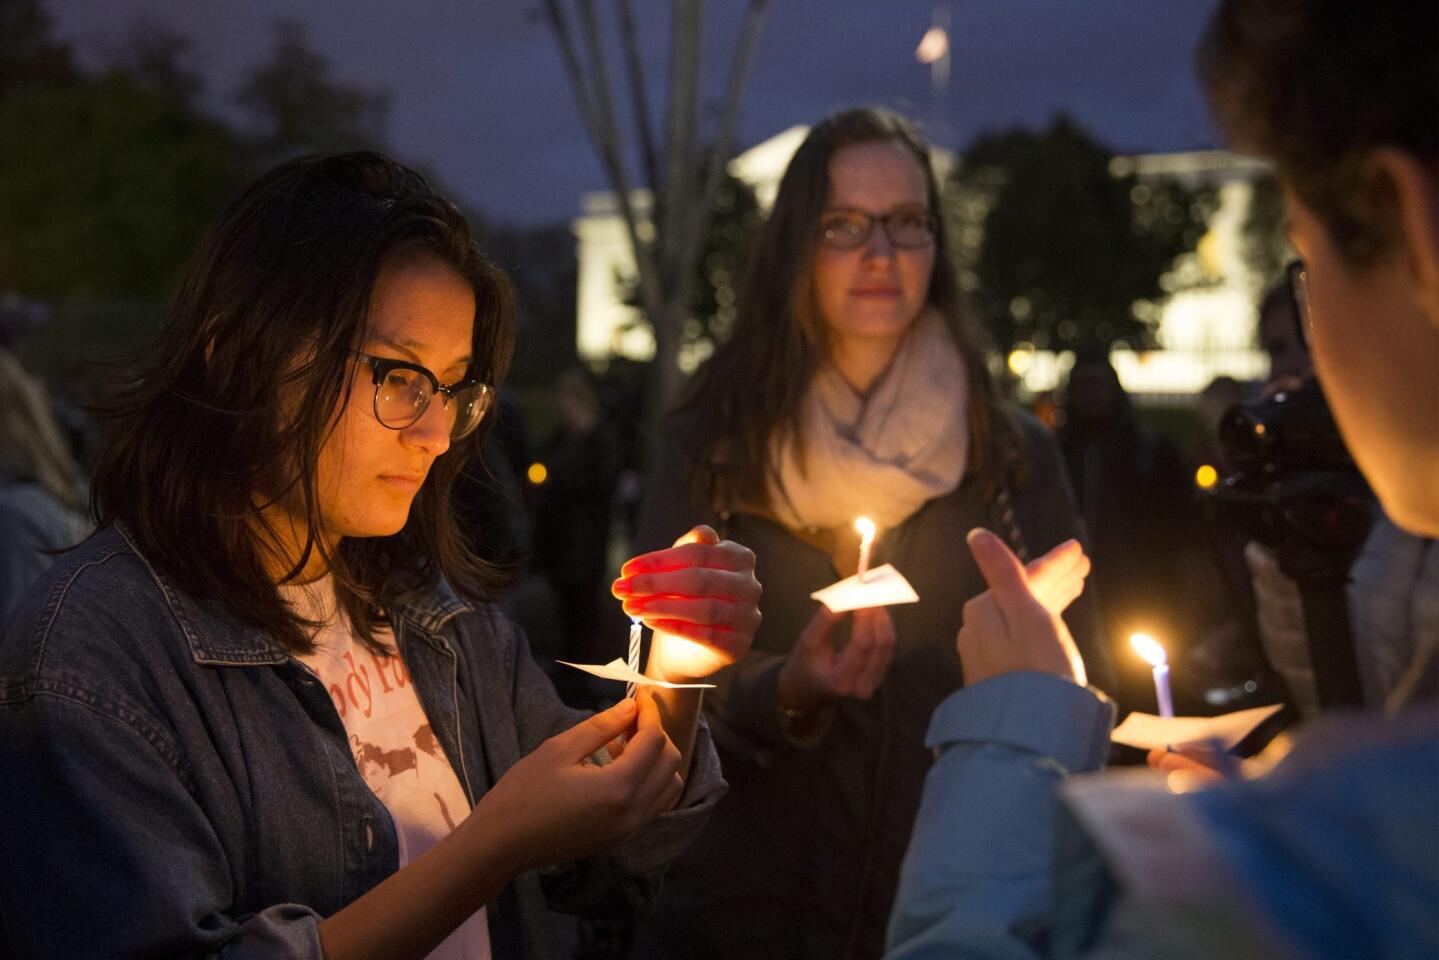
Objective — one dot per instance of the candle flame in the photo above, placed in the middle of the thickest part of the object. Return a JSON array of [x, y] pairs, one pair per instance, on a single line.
[[866, 529], [1148, 648]]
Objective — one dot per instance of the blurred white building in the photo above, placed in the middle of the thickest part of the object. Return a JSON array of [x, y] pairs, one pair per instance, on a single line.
[[1206, 325]]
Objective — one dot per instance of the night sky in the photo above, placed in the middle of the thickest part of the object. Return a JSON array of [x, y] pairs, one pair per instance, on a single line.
[[477, 92]]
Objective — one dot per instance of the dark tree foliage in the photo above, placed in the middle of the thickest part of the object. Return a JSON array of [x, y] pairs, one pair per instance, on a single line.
[[105, 187], [107, 180], [161, 60], [715, 287], [541, 261], [1265, 246], [295, 106], [29, 55], [733, 224], [1058, 249], [109, 177]]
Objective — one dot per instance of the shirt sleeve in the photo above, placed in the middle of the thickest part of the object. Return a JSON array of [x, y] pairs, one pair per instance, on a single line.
[[977, 878], [94, 806]]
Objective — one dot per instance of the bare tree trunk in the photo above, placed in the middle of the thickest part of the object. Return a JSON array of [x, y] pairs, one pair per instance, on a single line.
[[639, 93], [667, 247], [675, 201], [688, 242]]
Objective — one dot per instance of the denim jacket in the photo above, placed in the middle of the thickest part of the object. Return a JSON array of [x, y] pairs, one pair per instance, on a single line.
[[174, 784]]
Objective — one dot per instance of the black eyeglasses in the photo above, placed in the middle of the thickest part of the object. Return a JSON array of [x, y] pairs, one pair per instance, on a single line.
[[851, 229], [1298, 276], [403, 392]]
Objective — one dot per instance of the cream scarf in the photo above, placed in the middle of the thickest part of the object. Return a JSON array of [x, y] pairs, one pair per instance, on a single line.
[[880, 455]]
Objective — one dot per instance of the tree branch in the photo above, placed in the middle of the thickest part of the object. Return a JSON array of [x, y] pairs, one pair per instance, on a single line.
[[606, 138], [570, 56], [717, 157], [639, 95], [681, 155]]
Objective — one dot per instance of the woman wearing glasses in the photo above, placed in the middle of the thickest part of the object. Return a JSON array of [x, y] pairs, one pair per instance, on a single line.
[[263, 711], [854, 384]]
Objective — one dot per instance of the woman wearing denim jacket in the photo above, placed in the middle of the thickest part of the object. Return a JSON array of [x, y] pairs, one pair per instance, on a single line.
[[251, 717]]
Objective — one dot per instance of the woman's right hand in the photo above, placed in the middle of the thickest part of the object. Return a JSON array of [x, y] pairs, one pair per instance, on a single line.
[[555, 805], [815, 673]]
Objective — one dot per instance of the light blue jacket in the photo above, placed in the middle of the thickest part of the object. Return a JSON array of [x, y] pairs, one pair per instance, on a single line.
[[1333, 854]]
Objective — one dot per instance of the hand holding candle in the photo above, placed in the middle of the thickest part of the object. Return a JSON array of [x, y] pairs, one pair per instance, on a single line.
[[816, 673], [1153, 654], [700, 597]]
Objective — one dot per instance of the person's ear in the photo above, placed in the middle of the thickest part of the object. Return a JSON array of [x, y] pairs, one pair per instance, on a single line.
[[1416, 199]]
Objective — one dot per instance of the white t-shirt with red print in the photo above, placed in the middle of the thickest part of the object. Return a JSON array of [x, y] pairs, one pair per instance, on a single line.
[[395, 749]]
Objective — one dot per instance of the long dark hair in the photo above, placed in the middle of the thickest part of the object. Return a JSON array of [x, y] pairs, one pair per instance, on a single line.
[[753, 385], [249, 375]]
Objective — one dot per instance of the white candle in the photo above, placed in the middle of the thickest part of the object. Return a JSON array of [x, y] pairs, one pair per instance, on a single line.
[[1153, 654], [866, 529], [636, 629]]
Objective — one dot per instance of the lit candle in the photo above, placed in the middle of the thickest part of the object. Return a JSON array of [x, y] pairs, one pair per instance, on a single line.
[[1148, 648], [634, 659], [866, 529]]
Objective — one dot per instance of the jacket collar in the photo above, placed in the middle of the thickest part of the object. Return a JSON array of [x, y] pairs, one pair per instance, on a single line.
[[217, 638]]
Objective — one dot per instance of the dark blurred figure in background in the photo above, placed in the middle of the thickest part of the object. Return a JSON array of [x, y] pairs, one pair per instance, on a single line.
[[1281, 337], [490, 493], [582, 462], [492, 497], [1225, 661], [42, 490], [622, 405], [71, 392], [1213, 402], [1138, 505], [1392, 594]]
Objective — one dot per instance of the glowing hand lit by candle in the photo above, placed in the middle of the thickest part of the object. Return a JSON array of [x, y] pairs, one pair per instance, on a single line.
[[701, 599]]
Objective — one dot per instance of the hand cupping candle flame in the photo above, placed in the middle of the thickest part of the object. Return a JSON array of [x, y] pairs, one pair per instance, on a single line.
[[701, 599]]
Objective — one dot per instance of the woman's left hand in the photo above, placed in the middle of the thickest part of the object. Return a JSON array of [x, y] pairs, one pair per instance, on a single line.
[[703, 590]]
